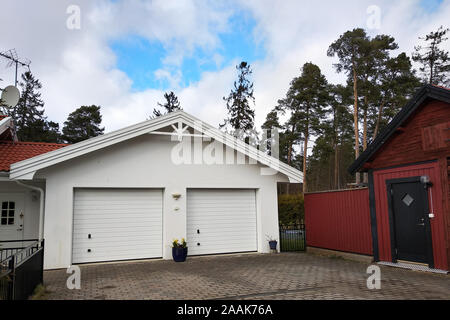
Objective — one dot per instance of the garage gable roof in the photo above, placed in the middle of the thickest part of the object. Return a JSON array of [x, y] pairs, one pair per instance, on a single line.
[[426, 92], [25, 170]]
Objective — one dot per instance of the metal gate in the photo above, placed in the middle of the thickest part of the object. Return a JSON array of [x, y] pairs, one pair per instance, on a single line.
[[292, 238], [21, 269]]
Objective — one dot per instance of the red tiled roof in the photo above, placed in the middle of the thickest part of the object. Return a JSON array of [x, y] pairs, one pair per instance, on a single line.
[[11, 152]]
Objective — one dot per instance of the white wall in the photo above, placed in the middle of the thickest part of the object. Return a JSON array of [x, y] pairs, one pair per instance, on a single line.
[[145, 162]]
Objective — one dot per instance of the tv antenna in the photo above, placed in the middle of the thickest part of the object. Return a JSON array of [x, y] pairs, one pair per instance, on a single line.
[[14, 60]]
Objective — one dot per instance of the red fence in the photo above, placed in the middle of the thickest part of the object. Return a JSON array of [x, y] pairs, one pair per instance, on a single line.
[[339, 220]]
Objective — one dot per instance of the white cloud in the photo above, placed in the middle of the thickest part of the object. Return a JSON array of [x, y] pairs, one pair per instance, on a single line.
[[78, 67]]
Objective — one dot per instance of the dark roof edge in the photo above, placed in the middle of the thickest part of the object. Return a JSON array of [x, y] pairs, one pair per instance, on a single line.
[[427, 91]]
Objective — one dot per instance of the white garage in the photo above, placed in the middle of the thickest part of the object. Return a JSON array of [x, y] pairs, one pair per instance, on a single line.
[[221, 221], [116, 224], [129, 193]]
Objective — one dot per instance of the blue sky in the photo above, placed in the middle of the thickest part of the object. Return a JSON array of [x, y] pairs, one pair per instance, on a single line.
[[431, 5], [128, 53], [140, 58]]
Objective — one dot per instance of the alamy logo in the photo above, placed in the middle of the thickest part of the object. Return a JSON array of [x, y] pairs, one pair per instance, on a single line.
[[199, 148], [73, 22], [74, 280], [374, 18], [374, 280]]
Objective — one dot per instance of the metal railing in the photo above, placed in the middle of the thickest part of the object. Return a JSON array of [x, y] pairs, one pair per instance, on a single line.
[[292, 237], [10, 247], [22, 270]]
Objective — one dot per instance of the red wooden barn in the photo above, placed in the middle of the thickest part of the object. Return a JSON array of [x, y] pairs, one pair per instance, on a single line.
[[409, 182]]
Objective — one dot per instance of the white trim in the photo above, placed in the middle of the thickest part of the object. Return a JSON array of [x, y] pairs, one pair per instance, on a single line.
[[26, 169], [176, 135], [5, 124], [41, 207]]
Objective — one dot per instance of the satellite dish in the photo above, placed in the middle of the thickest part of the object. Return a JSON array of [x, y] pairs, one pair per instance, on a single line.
[[10, 96]]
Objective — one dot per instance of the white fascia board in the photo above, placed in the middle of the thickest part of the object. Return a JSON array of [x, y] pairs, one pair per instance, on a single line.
[[26, 169], [293, 174], [5, 124]]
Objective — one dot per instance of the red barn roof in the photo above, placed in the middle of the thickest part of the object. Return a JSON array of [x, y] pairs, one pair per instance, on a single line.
[[424, 94], [11, 152], [434, 85]]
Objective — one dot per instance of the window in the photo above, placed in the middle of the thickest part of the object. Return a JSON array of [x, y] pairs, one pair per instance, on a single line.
[[408, 200], [8, 212]]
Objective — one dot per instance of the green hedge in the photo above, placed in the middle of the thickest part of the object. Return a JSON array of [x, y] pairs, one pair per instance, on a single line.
[[291, 209]]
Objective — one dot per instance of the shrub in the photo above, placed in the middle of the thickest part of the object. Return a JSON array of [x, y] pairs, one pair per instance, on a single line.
[[291, 209]]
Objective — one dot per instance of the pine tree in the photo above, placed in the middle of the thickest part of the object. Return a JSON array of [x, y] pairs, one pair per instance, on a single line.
[[290, 136], [241, 116], [364, 59], [372, 65], [28, 114], [172, 104], [435, 62], [333, 150], [339, 130], [307, 99], [272, 123], [82, 124], [350, 49], [46, 131], [396, 84]]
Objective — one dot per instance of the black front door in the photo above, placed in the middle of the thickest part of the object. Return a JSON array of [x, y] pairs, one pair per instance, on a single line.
[[410, 227]]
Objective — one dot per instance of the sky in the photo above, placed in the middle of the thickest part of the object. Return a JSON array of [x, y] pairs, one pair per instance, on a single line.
[[123, 55]]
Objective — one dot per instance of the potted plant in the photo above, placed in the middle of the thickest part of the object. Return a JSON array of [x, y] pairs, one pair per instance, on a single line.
[[272, 243], [179, 250]]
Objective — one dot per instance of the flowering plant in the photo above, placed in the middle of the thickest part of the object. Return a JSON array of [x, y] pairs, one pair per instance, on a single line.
[[179, 244]]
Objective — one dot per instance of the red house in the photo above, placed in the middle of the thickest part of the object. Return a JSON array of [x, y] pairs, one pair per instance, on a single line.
[[409, 182]]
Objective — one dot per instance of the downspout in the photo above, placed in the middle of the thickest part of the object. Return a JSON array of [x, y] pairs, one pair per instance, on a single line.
[[41, 207]]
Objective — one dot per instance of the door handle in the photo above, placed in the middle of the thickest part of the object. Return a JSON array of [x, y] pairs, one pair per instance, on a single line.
[[20, 229]]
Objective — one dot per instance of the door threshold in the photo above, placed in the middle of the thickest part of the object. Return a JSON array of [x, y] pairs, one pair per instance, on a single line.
[[412, 266], [413, 262]]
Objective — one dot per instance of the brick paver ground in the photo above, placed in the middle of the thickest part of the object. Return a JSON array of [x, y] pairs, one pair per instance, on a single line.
[[248, 276]]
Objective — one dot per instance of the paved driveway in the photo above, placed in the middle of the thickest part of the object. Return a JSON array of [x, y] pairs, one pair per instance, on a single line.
[[249, 276]]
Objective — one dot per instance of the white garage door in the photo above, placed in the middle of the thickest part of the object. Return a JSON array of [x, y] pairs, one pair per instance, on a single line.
[[117, 224], [221, 221]]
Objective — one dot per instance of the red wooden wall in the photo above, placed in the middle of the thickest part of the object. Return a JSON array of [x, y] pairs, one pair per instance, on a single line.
[[422, 137], [438, 223], [339, 220]]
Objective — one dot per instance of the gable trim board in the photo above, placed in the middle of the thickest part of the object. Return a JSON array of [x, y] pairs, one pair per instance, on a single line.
[[5, 123], [25, 170], [7, 131]]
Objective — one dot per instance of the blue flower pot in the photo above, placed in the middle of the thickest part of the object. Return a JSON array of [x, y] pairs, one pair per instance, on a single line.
[[273, 245], [179, 254]]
